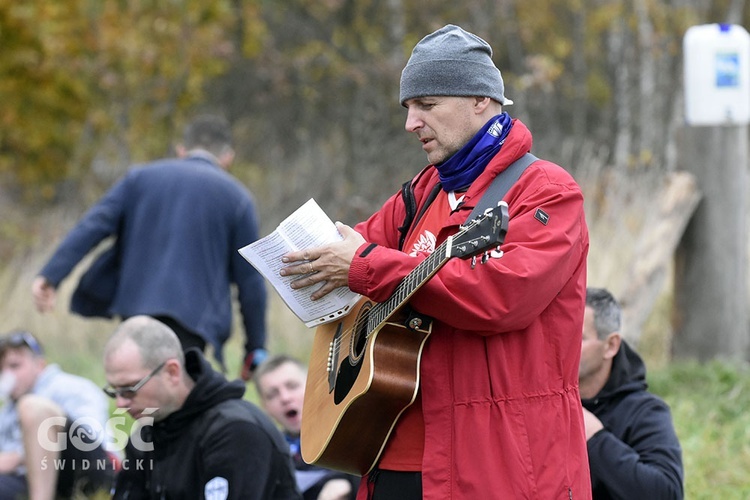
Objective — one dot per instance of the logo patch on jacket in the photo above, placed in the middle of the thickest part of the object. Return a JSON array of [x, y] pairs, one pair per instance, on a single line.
[[216, 489], [541, 216], [425, 243]]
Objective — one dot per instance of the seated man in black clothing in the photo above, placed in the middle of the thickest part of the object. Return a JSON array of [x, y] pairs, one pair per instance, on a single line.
[[632, 445], [280, 382], [195, 436]]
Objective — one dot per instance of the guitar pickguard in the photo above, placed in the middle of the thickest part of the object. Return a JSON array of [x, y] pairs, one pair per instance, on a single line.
[[345, 378], [350, 367]]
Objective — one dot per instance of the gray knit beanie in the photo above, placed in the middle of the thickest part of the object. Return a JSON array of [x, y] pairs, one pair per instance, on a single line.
[[452, 62]]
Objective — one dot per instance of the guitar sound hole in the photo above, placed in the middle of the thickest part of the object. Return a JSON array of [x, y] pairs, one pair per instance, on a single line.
[[359, 334]]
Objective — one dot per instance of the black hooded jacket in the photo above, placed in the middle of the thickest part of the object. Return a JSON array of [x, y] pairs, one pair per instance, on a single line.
[[217, 446], [637, 454]]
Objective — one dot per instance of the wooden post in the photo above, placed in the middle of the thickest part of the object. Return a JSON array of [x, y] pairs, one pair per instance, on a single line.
[[710, 283]]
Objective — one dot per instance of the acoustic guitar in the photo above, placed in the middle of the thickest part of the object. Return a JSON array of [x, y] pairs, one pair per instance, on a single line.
[[364, 368]]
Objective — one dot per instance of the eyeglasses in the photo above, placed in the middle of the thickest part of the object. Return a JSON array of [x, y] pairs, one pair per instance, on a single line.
[[20, 338], [130, 392]]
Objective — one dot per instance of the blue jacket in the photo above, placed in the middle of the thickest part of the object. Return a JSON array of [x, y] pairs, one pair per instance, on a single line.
[[637, 454], [177, 224]]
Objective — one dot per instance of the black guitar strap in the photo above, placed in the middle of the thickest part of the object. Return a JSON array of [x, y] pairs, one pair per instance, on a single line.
[[501, 184]]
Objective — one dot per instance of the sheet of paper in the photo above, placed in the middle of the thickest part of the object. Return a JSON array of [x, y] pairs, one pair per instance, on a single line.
[[306, 227]]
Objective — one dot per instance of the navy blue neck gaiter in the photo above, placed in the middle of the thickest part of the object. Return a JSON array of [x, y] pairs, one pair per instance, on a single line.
[[461, 169]]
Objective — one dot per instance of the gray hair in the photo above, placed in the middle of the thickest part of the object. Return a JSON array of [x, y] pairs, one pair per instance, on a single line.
[[156, 341], [607, 312]]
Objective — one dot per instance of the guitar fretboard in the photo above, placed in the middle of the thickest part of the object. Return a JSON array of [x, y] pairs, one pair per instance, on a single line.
[[410, 284], [379, 313]]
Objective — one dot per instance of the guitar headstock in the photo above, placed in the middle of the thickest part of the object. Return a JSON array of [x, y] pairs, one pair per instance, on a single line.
[[483, 233]]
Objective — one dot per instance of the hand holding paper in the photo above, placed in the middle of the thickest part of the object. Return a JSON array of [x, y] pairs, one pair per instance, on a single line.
[[307, 229], [329, 263]]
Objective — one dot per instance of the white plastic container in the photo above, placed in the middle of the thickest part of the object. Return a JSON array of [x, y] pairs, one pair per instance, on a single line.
[[717, 75]]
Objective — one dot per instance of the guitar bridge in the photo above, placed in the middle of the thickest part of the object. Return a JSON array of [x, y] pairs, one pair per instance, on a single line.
[[333, 358]]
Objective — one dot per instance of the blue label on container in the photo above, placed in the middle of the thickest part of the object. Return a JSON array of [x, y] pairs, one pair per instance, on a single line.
[[727, 69]]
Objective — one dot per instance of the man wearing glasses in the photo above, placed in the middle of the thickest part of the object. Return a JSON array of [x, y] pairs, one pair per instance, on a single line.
[[194, 437], [45, 413]]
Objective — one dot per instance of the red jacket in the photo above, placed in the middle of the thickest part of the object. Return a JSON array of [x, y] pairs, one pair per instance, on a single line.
[[499, 374]]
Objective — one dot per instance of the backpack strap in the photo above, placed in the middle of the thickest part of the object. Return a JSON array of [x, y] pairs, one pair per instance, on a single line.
[[411, 207], [501, 184]]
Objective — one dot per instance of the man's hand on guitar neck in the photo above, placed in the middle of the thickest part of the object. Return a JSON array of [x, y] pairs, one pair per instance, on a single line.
[[328, 264]]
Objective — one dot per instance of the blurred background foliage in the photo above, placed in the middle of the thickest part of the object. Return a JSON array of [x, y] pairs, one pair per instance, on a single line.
[[91, 82], [90, 87]]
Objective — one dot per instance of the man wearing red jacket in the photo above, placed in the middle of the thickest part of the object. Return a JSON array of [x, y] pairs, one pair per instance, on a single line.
[[498, 413]]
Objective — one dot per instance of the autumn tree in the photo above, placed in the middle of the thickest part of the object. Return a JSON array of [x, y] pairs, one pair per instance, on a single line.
[[90, 86]]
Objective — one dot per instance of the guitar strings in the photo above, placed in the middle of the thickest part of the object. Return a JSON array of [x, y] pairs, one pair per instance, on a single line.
[[400, 294]]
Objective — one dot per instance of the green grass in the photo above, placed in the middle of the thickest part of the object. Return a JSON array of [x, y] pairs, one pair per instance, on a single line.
[[709, 406]]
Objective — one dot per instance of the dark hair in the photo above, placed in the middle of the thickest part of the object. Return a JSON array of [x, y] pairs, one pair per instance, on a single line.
[[20, 338], [607, 313], [209, 132]]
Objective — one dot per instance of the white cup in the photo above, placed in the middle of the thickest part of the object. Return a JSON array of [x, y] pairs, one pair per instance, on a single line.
[[7, 383]]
